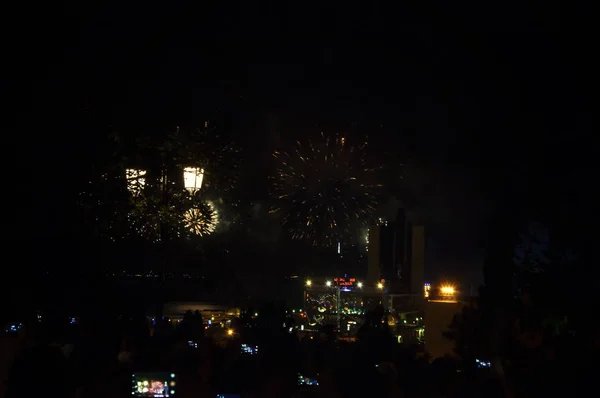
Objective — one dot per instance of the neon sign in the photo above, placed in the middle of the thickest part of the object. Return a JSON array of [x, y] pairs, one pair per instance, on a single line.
[[345, 282]]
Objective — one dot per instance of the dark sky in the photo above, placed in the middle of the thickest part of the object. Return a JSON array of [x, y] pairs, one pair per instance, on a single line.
[[451, 91]]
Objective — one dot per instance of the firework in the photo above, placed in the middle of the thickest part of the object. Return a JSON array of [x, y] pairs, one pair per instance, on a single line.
[[324, 190], [202, 219]]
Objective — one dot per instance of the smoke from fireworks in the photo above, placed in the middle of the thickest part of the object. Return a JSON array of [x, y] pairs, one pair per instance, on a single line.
[[324, 190]]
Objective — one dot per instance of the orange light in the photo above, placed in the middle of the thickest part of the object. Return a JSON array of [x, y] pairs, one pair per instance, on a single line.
[[447, 290]]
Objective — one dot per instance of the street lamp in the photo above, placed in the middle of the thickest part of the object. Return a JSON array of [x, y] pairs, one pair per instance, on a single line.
[[308, 283], [328, 283], [192, 178], [380, 286], [359, 285]]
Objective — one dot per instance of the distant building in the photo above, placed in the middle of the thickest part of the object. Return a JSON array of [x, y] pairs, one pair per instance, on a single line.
[[176, 310], [396, 254]]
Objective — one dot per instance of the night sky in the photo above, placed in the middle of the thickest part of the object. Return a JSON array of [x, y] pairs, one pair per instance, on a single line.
[[450, 91]]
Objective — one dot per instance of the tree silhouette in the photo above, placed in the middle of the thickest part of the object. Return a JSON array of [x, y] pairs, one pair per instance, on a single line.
[[158, 210]]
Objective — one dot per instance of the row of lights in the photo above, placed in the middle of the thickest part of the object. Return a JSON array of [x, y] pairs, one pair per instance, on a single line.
[[445, 290], [380, 285]]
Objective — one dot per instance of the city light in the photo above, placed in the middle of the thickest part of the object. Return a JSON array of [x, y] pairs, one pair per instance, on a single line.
[[380, 285], [230, 332], [328, 283], [447, 290], [308, 283], [427, 290], [359, 284]]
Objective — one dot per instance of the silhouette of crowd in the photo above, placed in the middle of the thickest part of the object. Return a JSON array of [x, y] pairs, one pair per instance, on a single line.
[[95, 356]]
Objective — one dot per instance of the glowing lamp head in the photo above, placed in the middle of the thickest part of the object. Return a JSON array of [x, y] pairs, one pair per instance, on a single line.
[[308, 283], [380, 285], [230, 332], [192, 178], [359, 284], [328, 283]]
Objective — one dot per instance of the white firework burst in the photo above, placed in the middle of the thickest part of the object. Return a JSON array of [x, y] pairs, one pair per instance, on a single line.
[[202, 219]]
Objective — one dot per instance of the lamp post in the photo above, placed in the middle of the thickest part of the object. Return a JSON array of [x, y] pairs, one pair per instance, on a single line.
[[137, 180], [193, 178]]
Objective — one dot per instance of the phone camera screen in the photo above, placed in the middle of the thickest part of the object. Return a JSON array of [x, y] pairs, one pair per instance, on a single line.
[[153, 384], [249, 349], [307, 381]]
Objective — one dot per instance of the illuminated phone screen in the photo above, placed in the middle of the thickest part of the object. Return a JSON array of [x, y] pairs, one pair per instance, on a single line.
[[153, 384], [307, 381], [249, 349]]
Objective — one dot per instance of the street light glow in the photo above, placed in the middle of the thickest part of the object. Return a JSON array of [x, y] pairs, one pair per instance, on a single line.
[[380, 285], [359, 284], [308, 282], [328, 283], [230, 332], [192, 178]]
